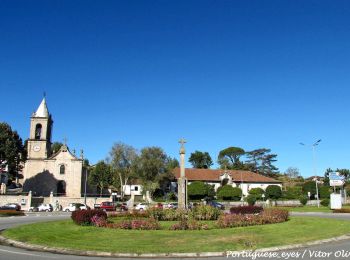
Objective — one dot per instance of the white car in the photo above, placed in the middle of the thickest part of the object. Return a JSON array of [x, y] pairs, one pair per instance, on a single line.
[[141, 206], [45, 207], [75, 206]]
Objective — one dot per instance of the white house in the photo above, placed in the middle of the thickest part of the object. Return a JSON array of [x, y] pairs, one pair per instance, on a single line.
[[245, 180], [132, 189]]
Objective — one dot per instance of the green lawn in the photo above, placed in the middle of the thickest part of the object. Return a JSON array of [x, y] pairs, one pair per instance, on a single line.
[[311, 209], [65, 234]]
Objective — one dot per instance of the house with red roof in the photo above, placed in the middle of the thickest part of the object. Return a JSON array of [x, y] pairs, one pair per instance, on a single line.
[[246, 180]]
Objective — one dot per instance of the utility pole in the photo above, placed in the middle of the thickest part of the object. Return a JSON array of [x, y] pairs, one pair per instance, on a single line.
[[313, 146]]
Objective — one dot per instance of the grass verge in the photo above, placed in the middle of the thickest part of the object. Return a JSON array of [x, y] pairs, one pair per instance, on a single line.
[[65, 234], [311, 209]]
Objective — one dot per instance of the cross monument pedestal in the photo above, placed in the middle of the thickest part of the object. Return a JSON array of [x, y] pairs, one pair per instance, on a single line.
[[182, 181]]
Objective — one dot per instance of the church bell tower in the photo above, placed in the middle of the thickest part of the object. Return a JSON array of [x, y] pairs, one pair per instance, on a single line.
[[39, 143]]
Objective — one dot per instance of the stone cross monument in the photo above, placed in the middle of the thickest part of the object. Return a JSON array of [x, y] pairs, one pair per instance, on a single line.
[[182, 182]]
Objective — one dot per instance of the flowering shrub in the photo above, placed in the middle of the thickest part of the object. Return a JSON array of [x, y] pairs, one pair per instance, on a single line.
[[156, 213], [129, 215], [246, 210], [189, 225], [274, 215], [84, 217], [205, 212], [99, 221], [268, 216], [139, 224]]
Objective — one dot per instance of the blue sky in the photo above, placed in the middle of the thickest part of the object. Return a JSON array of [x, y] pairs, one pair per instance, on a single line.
[[219, 73]]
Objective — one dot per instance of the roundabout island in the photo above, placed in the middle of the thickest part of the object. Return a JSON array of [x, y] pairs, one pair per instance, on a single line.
[[207, 238]]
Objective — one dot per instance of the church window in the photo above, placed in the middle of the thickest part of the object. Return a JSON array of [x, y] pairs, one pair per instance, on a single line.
[[38, 128], [62, 169], [136, 188]]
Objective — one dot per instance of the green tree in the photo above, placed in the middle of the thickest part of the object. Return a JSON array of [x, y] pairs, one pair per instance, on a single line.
[[200, 160], [292, 193], [154, 168], [292, 173], [309, 186], [324, 192], [200, 190], [230, 158], [152, 163], [257, 192], [56, 146], [261, 161], [273, 192], [12, 150], [101, 176], [255, 157], [227, 192], [123, 159]]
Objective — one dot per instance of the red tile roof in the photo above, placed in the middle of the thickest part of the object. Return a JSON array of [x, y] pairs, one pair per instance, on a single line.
[[214, 175]]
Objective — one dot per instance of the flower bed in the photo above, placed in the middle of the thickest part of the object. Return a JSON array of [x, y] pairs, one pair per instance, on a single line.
[[188, 220], [86, 217], [138, 224], [268, 216], [246, 210]]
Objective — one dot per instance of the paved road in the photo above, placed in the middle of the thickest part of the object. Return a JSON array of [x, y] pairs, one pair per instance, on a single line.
[[334, 250]]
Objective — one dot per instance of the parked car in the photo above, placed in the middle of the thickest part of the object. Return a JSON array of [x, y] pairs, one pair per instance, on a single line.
[[11, 206], [108, 206], [159, 206], [75, 206], [122, 206], [216, 204], [45, 207], [141, 206], [171, 205]]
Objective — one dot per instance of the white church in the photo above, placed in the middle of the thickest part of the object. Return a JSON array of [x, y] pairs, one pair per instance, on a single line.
[[46, 171]]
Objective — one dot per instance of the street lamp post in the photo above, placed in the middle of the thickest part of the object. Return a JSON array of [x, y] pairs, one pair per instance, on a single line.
[[313, 146], [84, 170]]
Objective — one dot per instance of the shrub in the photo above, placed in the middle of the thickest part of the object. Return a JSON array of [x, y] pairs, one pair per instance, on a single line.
[[266, 217], [341, 211], [292, 193], [156, 213], [199, 190], [324, 192], [309, 186], [228, 192], [188, 225], [171, 196], [242, 210], [138, 224], [158, 193], [129, 215], [99, 221], [251, 199], [325, 202], [257, 192], [205, 212], [84, 217], [303, 199], [273, 192]]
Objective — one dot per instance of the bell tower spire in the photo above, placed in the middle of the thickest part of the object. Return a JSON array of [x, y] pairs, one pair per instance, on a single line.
[[39, 143]]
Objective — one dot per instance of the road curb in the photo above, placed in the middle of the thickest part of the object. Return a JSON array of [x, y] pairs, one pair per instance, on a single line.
[[14, 243]]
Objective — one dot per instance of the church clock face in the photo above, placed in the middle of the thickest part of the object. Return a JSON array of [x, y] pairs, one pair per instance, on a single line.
[[36, 148]]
